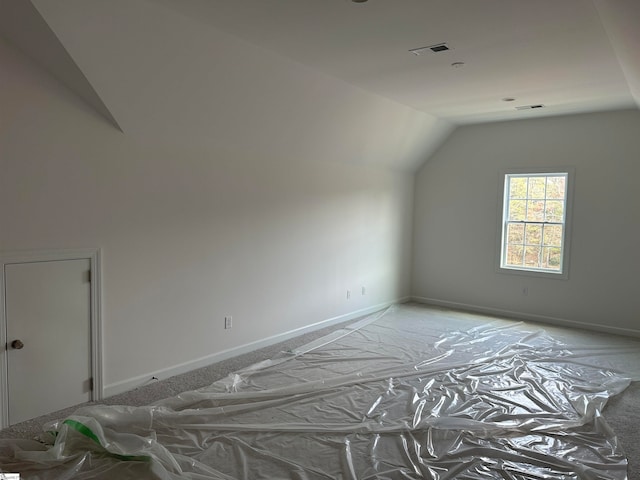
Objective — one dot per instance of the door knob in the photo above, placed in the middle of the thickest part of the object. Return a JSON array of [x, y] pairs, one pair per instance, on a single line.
[[17, 344]]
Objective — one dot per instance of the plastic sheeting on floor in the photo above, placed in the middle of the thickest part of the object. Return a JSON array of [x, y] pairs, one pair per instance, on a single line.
[[411, 393]]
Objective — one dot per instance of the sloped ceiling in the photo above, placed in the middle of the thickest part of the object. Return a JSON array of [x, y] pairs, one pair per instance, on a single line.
[[162, 66], [21, 23], [558, 54]]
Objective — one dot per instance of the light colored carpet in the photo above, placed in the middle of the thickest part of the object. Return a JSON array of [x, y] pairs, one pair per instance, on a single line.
[[623, 415], [622, 412], [173, 386]]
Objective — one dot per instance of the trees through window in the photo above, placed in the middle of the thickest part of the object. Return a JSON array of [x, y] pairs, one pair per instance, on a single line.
[[534, 222]]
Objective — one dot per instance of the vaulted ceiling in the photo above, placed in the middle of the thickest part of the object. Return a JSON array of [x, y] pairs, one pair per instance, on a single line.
[[569, 56]]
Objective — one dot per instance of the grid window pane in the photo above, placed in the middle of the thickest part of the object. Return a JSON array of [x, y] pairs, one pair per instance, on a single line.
[[518, 187], [533, 222], [556, 187], [515, 255], [515, 233], [551, 258], [535, 211], [554, 211], [532, 256], [552, 235], [536, 187], [517, 210], [533, 234]]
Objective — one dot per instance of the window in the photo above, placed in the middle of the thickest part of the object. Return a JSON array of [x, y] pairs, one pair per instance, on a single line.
[[534, 222]]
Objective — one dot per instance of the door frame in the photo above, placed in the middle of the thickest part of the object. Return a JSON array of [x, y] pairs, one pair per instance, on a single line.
[[33, 256]]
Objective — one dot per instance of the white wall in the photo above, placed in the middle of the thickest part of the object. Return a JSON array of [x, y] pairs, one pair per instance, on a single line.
[[189, 236], [456, 215]]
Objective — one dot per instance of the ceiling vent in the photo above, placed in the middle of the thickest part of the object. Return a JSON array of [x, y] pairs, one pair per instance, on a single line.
[[530, 107], [440, 47]]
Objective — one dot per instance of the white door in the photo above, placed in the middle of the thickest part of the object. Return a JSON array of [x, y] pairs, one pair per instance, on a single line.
[[48, 314]]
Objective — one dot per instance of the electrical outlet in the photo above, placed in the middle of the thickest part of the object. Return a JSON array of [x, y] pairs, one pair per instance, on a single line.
[[348, 294], [228, 322], [364, 290], [525, 291]]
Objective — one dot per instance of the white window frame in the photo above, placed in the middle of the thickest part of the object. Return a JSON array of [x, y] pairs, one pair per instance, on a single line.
[[563, 273]]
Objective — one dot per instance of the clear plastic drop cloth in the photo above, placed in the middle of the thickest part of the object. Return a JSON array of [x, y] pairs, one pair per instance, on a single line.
[[409, 393]]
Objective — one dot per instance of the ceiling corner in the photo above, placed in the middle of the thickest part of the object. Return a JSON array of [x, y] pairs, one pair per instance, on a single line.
[[620, 20], [24, 27]]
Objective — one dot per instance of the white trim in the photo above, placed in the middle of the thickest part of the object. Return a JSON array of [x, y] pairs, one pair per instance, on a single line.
[[140, 380], [561, 322], [31, 256]]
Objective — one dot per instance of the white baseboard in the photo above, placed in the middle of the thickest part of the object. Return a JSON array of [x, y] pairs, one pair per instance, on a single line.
[[141, 380], [561, 322]]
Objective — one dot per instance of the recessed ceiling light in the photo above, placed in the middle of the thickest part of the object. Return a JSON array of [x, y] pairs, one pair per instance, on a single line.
[[508, 99], [358, 1], [457, 64]]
